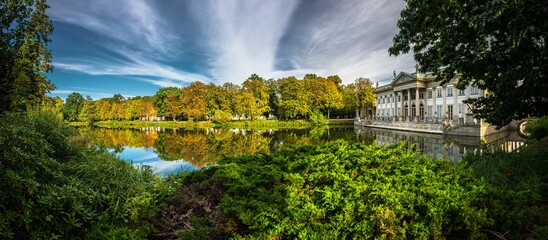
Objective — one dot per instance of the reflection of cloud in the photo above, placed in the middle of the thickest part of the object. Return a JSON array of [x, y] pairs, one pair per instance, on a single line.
[[143, 156], [167, 167]]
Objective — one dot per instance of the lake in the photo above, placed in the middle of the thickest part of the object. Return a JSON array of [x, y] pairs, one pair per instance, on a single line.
[[170, 151]]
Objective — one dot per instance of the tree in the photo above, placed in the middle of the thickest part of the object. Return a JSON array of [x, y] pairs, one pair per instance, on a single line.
[[500, 46], [217, 99], [193, 100], [24, 57], [172, 106], [273, 91], [159, 98], [359, 95], [324, 93], [146, 107], [256, 86], [294, 98], [73, 106], [232, 91], [88, 113]]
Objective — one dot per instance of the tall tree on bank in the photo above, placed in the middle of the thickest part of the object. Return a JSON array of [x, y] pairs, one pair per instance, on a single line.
[[193, 102], [73, 106], [161, 95], [500, 46], [24, 58], [256, 86], [359, 95]]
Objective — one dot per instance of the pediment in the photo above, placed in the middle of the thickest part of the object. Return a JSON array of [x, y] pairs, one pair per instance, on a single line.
[[402, 78]]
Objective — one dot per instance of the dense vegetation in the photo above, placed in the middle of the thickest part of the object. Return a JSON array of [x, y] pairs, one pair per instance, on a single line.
[[53, 189], [56, 188], [496, 45], [286, 98]]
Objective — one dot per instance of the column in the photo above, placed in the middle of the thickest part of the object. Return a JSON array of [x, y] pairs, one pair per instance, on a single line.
[[434, 106], [408, 104], [443, 109], [393, 104], [417, 109], [401, 107], [456, 105]]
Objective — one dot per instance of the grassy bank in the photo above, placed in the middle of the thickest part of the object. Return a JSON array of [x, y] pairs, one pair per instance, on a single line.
[[244, 124]]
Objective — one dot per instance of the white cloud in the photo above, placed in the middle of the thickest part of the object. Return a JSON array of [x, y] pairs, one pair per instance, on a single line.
[[235, 39], [243, 35]]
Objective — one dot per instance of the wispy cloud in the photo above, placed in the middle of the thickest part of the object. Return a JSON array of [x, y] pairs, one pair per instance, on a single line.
[[348, 38], [243, 35], [172, 43]]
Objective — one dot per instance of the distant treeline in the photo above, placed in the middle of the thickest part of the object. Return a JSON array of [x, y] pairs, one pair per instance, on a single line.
[[285, 98]]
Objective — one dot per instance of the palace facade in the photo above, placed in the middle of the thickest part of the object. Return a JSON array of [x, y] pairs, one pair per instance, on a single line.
[[416, 102], [417, 97]]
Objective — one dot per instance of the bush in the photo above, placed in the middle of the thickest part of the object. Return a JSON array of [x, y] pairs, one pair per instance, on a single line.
[[340, 190], [317, 118], [538, 129], [52, 189], [517, 192]]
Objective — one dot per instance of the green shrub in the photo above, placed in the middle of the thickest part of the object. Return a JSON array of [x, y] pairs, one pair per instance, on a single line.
[[52, 189], [317, 118], [517, 192], [341, 190], [538, 129]]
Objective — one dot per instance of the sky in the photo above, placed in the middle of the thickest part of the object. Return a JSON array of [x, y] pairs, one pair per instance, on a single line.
[[135, 47]]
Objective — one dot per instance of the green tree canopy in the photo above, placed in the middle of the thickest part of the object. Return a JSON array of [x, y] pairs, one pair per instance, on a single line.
[[256, 86], [497, 45], [161, 95], [73, 106], [24, 59]]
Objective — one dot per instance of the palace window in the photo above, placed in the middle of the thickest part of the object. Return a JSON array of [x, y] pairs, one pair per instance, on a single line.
[[450, 111], [462, 92], [429, 93], [450, 91], [421, 95], [439, 92], [474, 90]]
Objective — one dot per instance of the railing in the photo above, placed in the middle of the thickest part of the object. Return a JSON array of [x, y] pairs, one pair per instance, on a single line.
[[421, 119]]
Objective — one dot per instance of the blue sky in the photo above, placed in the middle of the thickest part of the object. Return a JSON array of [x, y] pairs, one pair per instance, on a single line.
[[135, 47]]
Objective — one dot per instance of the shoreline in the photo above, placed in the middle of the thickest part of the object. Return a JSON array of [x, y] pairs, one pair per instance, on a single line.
[[243, 124]]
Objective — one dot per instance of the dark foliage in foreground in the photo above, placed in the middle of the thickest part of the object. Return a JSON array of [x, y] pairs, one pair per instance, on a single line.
[[53, 189]]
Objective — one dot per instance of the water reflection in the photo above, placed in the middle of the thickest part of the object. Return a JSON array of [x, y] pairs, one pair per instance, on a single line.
[[169, 151], [452, 148]]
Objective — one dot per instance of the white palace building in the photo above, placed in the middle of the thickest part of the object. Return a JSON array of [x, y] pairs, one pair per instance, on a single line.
[[416, 102]]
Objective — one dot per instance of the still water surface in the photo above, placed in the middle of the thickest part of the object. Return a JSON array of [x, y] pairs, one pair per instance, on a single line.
[[170, 151]]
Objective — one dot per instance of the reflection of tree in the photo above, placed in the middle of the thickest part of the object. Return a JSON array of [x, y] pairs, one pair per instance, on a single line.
[[318, 132], [202, 147], [194, 149], [226, 142], [187, 145], [112, 138]]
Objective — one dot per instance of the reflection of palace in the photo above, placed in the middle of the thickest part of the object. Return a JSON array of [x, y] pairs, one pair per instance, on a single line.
[[439, 146], [416, 102]]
